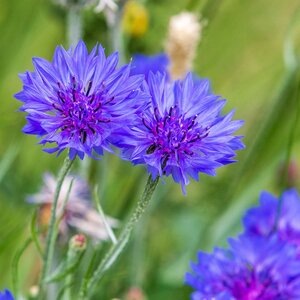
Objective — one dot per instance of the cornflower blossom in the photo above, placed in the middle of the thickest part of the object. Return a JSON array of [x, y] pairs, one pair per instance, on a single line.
[[78, 101], [253, 268], [6, 295], [78, 212], [261, 220], [182, 132]]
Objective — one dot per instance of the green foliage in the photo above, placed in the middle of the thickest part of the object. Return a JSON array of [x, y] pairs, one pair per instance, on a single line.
[[242, 53]]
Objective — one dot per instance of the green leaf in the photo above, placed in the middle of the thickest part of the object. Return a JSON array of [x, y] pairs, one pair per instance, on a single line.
[[34, 234], [15, 266]]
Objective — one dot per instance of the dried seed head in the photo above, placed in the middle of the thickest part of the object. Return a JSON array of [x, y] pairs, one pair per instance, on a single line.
[[183, 37]]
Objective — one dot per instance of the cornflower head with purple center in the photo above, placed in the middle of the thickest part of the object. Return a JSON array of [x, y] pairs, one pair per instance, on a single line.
[[182, 132], [253, 268], [79, 100], [269, 217]]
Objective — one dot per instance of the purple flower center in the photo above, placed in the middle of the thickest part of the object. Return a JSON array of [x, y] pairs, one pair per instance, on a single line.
[[173, 134], [81, 112], [255, 288]]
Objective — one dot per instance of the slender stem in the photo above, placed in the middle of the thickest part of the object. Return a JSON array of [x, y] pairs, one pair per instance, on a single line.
[[88, 273], [69, 279], [210, 9], [66, 199], [51, 236], [68, 284], [116, 34], [117, 248], [34, 233], [74, 25], [192, 5]]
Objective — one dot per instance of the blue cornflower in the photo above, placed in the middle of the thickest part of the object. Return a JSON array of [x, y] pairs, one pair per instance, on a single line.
[[143, 64], [79, 100], [6, 295], [253, 268], [182, 132], [261, 220]]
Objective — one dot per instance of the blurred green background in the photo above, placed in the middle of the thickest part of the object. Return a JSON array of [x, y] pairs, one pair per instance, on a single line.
[[241, 52]]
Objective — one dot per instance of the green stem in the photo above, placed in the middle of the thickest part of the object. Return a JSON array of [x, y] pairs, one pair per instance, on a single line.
[[192, 5], [34, 233], [74, 25], [116, 33], [117, 248], [51, 236], [88, 273], [208, 8], [69, 280]]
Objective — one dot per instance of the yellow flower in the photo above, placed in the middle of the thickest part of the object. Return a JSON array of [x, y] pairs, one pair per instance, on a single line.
[[135, 19]]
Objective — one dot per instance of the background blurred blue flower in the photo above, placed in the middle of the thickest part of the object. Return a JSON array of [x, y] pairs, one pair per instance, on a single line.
[[143, 64], [182, 132], [79, 99], [261, 220], [6, 295], [253, 268]]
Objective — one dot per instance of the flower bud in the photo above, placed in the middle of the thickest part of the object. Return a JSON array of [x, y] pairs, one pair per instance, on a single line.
[[135, 293], [78, 242], [77, 246], [33, 292]]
